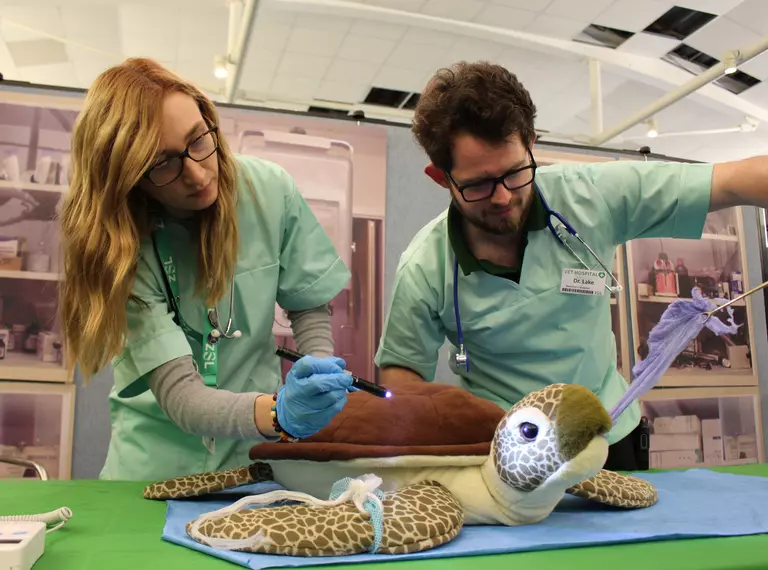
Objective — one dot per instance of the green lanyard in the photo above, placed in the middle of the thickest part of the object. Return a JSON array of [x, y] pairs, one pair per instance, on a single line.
[[207, 365]]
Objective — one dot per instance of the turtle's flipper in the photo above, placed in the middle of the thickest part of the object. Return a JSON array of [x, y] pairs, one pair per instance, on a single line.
[[204, 483], [617, 490], [415, 518]]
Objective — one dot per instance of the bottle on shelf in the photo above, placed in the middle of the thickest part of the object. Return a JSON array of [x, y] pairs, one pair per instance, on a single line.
[[665, 276]]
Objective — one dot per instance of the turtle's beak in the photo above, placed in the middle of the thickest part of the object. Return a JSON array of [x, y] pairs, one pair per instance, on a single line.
[[580, 418]]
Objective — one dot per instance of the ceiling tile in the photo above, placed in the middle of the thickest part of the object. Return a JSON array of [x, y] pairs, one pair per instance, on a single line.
[[62, 74], [462, 10], [757, 94], [273, 37], [556, 27], [711, 6], [757, 66], [429, 37], [649, 45], [324, 23], [6, 62], [89, 65], [403, 79], [505, 17], [262, 62], [341, 92], [530, 5], [294, 87], [419, 57], [258, 71], [581, 10], [342, 70], [317, 42], [379, 30], [752, 14], [95, 26], [721, 35], [406, 5], [202, 36], [271, 14], [38, 52], [631, 15], [45, 19], [144, 31], [199, 75], [361, 48], [469, 49], [303, 65]]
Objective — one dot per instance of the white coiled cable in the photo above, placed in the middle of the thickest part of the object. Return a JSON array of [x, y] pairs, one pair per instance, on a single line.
[[56, 518]]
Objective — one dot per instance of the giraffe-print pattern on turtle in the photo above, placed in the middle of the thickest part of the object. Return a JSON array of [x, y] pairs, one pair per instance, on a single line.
[[524, 465], [416, 517], [209, 482], [617, 490]]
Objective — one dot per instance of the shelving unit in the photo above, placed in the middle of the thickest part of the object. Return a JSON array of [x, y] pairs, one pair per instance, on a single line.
[[36, 393], [710, 361]]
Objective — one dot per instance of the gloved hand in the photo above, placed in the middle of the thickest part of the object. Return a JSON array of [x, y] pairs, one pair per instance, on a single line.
[[315, 391]]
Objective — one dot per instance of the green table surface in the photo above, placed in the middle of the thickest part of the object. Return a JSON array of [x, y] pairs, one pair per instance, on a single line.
[[113, 527]]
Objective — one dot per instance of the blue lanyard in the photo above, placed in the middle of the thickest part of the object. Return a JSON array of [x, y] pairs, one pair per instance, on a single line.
[[207, 365]]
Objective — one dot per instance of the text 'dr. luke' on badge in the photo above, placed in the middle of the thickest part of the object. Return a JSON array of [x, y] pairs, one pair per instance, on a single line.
[[583, 282]]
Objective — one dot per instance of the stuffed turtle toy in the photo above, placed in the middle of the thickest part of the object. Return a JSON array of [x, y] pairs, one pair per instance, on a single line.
[[417, 467]]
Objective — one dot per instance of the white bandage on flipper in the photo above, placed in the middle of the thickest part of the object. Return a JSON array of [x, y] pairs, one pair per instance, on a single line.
[[358, 492]]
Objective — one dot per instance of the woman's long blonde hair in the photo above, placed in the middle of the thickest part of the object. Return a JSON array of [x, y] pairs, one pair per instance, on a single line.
[[105, 215]]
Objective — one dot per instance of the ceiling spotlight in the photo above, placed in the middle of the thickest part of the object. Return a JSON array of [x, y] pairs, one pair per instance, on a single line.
[[731, 62], [220, 67], [749, 125], [653, 128]]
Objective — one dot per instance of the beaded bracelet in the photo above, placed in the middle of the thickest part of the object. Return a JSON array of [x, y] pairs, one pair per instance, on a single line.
[[284, 435]]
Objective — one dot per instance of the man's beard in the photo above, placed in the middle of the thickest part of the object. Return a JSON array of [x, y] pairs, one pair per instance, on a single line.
[[507, 225]]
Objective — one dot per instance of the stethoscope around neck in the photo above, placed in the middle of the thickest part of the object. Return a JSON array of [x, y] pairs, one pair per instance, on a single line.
[[213, 318], [560, 229]]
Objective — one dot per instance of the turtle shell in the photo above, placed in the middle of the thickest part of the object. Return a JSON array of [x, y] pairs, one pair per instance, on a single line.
[[421, 418]]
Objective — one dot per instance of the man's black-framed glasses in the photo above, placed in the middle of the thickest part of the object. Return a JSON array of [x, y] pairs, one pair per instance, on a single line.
[[484, 189], [198, 150]]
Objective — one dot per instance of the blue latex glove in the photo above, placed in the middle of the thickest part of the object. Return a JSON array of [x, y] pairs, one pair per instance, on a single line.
[[315, 391]]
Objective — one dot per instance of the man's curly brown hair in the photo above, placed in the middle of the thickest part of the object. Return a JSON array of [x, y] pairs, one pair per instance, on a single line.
[[482, 99]]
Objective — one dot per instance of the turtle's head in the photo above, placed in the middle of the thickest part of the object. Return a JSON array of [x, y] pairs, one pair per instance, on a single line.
[[554, 437]]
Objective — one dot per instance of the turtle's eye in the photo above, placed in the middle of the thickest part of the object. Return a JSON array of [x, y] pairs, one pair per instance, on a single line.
[[529, 431]]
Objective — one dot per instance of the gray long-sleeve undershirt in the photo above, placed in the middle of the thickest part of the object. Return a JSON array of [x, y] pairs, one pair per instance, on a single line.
[[198, 409]]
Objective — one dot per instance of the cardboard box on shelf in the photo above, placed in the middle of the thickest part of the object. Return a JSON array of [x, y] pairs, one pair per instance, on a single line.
[[675, 442], [10, 264], [676, 424], [740, 447], [712, 441], [747, 445], [9, 247], [672, 459], [737, 356]]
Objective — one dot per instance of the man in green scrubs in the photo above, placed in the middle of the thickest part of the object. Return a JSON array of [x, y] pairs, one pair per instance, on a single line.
[[527, 320]]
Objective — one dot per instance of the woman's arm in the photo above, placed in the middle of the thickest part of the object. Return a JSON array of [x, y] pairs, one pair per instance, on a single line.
[[200, 410], [312, 331]]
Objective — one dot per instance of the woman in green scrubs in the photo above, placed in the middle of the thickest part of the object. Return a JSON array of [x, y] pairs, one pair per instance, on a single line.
[[167, 236]]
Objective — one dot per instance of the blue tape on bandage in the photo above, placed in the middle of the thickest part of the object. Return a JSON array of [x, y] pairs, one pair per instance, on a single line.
[[377, 517]]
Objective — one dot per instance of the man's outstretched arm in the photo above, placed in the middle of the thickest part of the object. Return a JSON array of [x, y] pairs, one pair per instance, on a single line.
[[740, 183]]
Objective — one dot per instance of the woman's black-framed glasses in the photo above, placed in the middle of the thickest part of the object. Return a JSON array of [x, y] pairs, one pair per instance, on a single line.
[[198, 150], [484, 189]]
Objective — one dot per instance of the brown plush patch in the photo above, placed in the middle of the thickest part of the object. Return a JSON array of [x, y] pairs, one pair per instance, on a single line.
[[208, 482], [580, 417], [417, 517], [421, 418], [617, 490]]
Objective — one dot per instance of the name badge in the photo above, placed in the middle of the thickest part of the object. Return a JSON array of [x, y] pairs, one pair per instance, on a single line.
[[583, 282]]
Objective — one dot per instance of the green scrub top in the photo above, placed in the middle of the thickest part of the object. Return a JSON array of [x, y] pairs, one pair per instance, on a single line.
[[524, 334], [285, 256]]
